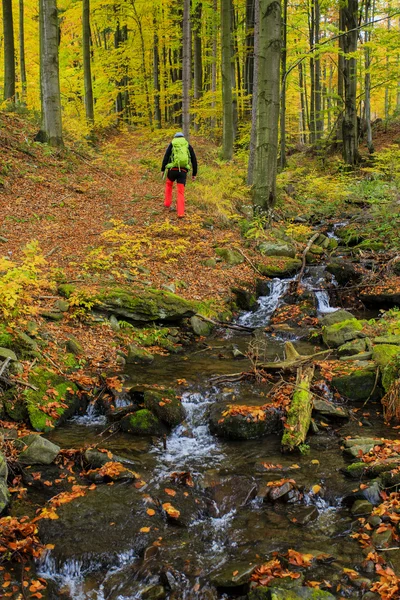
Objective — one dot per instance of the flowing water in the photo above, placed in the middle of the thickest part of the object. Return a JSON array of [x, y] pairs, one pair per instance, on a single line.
[[102, 551]]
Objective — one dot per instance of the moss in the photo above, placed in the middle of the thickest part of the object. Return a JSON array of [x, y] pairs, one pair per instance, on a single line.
[[299, 416], [391, 372], [14, 406], [357, 385], [69, 361], [355, 470], [6, 339], [66, 289], [384, 353], [279, 267], [166, 406], [142, 422], [231, 257], [63, 400], [339, 333]]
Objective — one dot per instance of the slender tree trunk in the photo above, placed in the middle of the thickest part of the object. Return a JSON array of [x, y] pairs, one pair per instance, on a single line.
[[214, 63], [264, 188], [143, 65], [235, 82], [51, 130], [197, 59], [253, 135], [119, 107], [156, 78], [186, 69], [387, 90], [227, 99], [311, 33], [367, 80], [340, 84], [303, 135], [22, 65], [249, 56], [282, 159], [87, 67], [9, 51], [319, 123], [351, 155]]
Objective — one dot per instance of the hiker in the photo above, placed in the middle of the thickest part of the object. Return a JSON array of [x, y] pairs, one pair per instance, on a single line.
[[177, 159]]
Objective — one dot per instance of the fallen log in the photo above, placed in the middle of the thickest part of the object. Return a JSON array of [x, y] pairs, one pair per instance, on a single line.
[[293, 360], [226, 325], [299, 413], [294, 286]]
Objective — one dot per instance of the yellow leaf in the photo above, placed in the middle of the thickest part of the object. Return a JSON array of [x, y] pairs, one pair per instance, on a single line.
[[145, 529]]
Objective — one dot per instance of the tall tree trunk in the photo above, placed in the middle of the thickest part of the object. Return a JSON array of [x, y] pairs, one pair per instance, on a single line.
[[303, 135], [351, 155], [87, 67], [264, 188], [253, 135], [51, 129], [340, 84], [197, 58], [311, 33], [156, 77], [9, 51], [282, 159], [22, 65], [249, 56], [186, 69], [319, 122], [387, 89], [119, 106], [214, 63], [227, 99], [235, 74], [367, 80]]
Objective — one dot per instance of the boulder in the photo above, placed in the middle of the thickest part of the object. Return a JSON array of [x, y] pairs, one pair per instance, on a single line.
[[279, 266], [281, 592], [338, 334], [232, 575], [353, 347], [383, 297], [4, 495], [231, 493], [344, 271], [39, 451], [138, 356], [6, 353], [244, 299], [338, 316], [277, 248], [328, 409], [361, 507], [244, 422], [166, 406], [387, 339], [142, 422], [73, 346], [357, 385], [200, 327], [149, 306], [384, 353], [3, 467], [231, 257]]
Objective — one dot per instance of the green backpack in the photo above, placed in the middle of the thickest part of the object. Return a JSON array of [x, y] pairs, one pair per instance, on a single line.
[[180, 156]]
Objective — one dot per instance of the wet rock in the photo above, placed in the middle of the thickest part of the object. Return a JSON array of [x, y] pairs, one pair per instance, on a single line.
[[280, 493], [249, 422], [231, 257], [3, 467], [244, 299], [262, 288], [39, 451], [352, 348], [283, 593], [390, 373], [380, 298], [358, 385], [232, 493], [201, 327], [138, 356], [153, 592], [233, 576], [328, 409], [361, 507], [344, 271], [339, 333], [371, 494], [384, 353], [304, 515], [355, 446], [277, 248], [279, 266], [142, 422], [116, 472], [149, 306], [382, 539], [336, 317], [166, 406]]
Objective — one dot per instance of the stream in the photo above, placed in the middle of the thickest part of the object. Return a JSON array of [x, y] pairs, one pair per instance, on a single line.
[[107, 547]]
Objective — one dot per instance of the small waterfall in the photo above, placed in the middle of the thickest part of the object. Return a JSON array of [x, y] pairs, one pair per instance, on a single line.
[[323, 302], [92, 417], [266, 304]]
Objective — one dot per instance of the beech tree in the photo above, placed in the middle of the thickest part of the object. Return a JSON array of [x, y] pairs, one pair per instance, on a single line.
[[186, 69], [87, 67], [9, 51], [226, 72], [349, 12], [266, 152]]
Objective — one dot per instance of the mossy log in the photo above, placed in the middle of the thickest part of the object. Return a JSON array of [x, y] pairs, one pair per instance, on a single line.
[[293, 360], [299, 413]]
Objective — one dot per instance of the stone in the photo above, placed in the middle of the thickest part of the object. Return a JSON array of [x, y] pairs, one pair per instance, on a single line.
[[336, 317], [383, 539], [231, 257], [387, 339], [224, 576], [166, 406], [359, 358], [6, 353], [4, 495], [384, 353], [52, 315], [280, 591], [390, 373], [244, 299], [210, 262], [280, 493], [305, 515], [231, 493], [353, 347], [145, 306], [339, 333], [138, 356], [358, 385], [3, 467], [153, 592], [384, 298], [39, 451], [277, 248], [251, 423], [26, 342], [344, 271], [73, 346], [279, 266], [361, 507], [62, 305], [200, 327], [328, 409], [142, 422]]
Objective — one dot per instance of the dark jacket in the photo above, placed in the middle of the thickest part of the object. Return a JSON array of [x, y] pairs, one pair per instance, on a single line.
[[167, 159]]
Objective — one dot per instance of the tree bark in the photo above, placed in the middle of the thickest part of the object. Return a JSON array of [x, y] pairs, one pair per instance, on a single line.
[[186, 70], [250, 51], [227, 98], [22, 65], [253, 135], [264, 188], [282, 158], [156, 78], [51, 129], [319, 122], [351, 155], [299, 413], [367, 81], [87, 67], [9, 51], [197, 59], [214, 63]]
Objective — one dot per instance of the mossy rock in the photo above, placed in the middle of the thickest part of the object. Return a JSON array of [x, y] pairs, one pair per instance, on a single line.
[[279, 267], [353, 348], [200, 327], [73, 346], [384, 353], [231, 257], [7, 353], [138, 356], [6, 339], [142, 422], [338, 316], [66, 289], [391, 372], [277, 248], [166, 406], [281, 592], [5, 495], [52, 388], [15, 406], [344, 271], [338, 334], [357, 385], [233, 425], [149, 306]]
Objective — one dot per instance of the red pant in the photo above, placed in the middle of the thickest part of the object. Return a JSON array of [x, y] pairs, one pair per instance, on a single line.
[[180, 205]]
